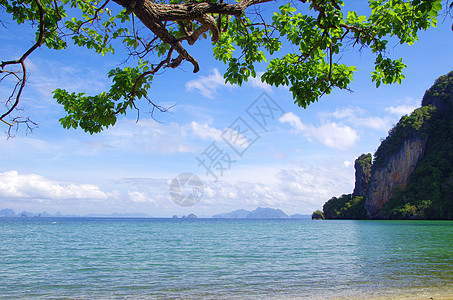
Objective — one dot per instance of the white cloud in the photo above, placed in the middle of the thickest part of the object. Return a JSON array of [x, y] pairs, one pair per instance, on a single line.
[[139, 197], [355, 116], [235, 138], [241, 194], [257, 83], [315, 184], [358, 117], [204, 131], [376, 123], [347, 113], [404, 107], [207, 85], [82, 77], [401, 110], [147, 190], [336, 136], [29, 143], [32, 186], [294, 121], [330, 134], [296, 189], [300, 188], [300, 182], [347, 164], [148, 135]]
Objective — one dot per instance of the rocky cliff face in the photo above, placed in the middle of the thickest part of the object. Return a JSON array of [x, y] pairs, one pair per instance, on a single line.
[[395, 174], [362, 167], [413, 166]]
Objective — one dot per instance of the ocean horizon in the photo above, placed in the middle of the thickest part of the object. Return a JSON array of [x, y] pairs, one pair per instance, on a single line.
[[149, 258]]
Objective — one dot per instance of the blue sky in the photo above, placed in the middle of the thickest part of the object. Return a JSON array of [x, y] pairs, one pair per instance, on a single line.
[[299, 160]]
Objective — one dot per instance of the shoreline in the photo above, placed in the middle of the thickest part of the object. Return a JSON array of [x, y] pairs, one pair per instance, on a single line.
[[424, 294]]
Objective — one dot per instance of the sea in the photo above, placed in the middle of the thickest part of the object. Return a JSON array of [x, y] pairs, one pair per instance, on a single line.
[[106, 258]]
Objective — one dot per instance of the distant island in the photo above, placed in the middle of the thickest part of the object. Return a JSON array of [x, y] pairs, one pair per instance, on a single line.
[[9, 213], [411, 174], [259, 213]]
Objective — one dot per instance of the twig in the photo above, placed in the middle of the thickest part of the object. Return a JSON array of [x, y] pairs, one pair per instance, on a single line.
[[21, 61]]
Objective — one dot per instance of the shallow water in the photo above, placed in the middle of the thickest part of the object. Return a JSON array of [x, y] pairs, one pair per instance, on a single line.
[[214, 258]]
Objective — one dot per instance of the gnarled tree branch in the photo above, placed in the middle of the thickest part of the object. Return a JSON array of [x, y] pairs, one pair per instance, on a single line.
[[154, 14], [21, 62]]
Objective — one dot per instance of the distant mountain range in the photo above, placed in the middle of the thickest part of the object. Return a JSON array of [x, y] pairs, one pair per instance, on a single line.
[[11, 214], [259, 213]]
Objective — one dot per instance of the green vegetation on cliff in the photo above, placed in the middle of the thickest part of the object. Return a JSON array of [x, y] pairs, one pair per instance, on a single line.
[[350, 207], [362, 167], [408, 126], [440, 94], [364, 160], [317, 215], [429, 194], [345, 207]]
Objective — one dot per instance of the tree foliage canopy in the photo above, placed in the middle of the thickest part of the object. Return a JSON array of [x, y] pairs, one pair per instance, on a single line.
[[301, 43]]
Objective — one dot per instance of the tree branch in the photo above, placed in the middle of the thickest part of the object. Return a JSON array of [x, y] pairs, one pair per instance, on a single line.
[[153, 15], [95, 16], [21, 62]]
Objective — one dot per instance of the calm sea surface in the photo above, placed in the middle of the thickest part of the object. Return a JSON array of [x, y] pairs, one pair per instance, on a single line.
[[223, 259]]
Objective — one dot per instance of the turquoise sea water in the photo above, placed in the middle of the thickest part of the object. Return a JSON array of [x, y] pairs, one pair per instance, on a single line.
[[223, 259]]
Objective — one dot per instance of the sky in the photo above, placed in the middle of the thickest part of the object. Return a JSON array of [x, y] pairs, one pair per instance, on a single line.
[[287, 157]]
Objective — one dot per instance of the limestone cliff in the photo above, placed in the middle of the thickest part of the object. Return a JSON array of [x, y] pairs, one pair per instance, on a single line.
[[411, 176], [396, 173], [362, 167], [399, 154]]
